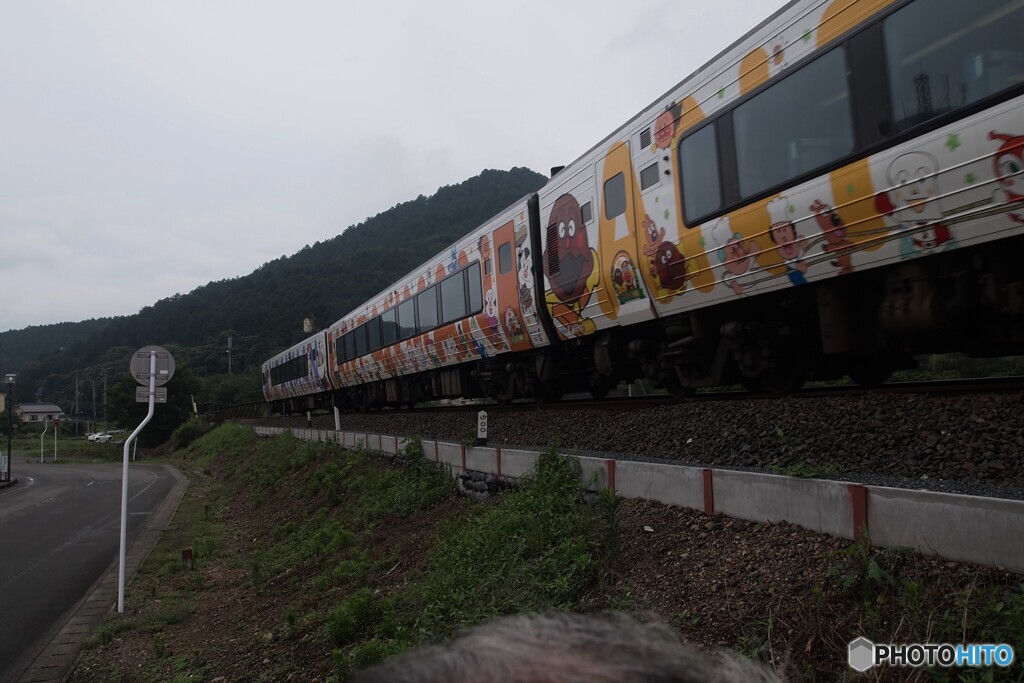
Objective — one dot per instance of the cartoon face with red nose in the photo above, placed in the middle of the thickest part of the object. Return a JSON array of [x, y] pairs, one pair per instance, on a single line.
[[670, 266], [665, 126], [574, 261], [1009, 163]]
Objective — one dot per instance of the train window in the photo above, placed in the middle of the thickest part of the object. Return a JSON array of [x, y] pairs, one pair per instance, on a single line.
[[505, 258], [615, 197], [476, 300], [944, 54], [360, 334], [350, 345], [339, 349], [698, 159], [453, 298], [648, 177], [389, 326], [407, 318], [797, 125], [373, 335], [587, 211], [426, 305], [487, 266]]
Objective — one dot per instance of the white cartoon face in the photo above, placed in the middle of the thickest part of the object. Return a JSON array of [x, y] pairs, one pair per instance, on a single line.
[[524, 265], [490, 304], [915, 191]]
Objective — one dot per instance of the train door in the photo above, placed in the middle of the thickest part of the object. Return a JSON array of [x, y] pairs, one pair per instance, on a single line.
[[623, 296], [572, 272], [506, 262]]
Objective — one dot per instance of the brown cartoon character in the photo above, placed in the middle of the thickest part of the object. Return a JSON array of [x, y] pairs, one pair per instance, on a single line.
[[670, 267], [574, 260], [834, 231]]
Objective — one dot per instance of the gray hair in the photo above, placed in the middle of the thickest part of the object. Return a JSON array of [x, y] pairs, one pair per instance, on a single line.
[[566, 648]]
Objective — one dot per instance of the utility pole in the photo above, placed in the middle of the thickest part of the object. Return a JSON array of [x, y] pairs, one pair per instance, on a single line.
[[93, 383], [105, 425], [230, 341], [74, 410]]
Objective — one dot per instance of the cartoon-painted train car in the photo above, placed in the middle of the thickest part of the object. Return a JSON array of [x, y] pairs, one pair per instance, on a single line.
[[294, 375], [838, 190]]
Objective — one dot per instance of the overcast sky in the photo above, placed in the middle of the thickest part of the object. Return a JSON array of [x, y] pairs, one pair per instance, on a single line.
[[147, 148]]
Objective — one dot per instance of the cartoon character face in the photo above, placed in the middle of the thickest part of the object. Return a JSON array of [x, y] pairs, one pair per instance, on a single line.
[[512, 325], [829, 221], [524, 265], [490, 304], [914, 192], [784, 235], [1009, 162], [653, 236], [736, 257], [574, 258], [670, 266], [664, 129]]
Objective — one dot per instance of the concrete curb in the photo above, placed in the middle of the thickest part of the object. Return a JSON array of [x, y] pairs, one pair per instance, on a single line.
[[952, 526], [56, 662], [7, 484]]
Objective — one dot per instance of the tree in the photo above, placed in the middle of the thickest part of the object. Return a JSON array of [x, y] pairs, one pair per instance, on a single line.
[[167, 416]]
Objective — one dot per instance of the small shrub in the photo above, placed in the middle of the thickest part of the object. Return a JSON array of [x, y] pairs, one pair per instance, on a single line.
[[184, 435], [354, 617]]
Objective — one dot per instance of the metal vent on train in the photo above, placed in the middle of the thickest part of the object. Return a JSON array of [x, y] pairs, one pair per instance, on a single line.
[[553, 249], [645, 138]]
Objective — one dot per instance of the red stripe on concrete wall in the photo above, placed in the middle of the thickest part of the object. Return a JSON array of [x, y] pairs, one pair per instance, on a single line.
[[709, 492], [497, 458], [610, 465], [463, 458], [859, 503]]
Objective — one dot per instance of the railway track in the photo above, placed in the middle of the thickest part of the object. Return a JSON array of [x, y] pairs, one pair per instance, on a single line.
[[951, 387]]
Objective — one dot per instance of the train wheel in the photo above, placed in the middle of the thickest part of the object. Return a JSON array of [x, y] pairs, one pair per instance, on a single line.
[[599, 387], [547, 391], [781, 380], [870, 373], [676, 389]]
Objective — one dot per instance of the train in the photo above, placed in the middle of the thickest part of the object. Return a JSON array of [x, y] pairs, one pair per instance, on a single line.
[[837, 191]]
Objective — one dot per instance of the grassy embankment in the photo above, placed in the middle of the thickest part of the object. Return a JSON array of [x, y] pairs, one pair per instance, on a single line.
[[311, 561]]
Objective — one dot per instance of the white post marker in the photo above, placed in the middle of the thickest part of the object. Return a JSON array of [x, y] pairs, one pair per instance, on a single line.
[[157, 373], [481, 428], [56, 431], [42, 437]]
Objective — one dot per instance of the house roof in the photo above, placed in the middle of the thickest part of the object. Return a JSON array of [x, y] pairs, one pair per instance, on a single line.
[[40, 408]]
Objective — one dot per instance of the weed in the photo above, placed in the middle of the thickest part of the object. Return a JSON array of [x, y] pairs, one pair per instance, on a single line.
[[355, 616]]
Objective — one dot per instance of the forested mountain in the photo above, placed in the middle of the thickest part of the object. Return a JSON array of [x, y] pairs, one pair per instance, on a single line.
[[262, 311]]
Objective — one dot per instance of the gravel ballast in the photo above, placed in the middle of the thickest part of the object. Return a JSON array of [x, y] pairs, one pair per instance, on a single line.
[[964, 444]]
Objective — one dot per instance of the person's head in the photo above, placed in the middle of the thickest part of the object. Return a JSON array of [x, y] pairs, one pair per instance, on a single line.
[[565, 648]]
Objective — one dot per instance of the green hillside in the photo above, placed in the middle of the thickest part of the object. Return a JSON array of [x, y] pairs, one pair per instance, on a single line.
[[262, 311]]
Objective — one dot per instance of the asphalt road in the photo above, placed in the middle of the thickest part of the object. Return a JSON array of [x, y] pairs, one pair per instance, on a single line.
[[59, 532]]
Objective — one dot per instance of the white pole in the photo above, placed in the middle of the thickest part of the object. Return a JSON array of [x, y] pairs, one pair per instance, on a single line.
[[124, 480], [46, 425], [56, 431]]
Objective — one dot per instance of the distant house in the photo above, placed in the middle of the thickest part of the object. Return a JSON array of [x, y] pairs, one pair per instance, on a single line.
[[38, 412]]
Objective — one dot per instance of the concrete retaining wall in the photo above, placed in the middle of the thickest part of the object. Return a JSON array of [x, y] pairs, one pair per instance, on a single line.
[[985, 531]]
